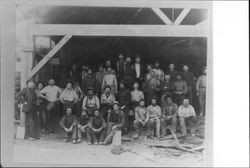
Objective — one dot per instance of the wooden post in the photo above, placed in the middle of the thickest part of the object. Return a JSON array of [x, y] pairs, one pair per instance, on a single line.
[[25, 50]]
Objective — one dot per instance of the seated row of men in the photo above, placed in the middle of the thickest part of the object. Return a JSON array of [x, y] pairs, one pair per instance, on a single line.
[[152, 119]]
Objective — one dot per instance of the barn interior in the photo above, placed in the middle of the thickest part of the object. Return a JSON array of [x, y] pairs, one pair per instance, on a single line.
[[92, 51]]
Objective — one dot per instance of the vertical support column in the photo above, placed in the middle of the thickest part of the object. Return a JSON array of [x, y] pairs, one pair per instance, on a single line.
[[25, 50], [209, 95]]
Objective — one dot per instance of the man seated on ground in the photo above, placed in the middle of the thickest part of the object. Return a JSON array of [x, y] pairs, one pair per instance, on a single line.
[[97, 129], [83, 126], [68, 124], [91, 102], [169, 115], [141, 118], [116, 121], [187, 117], [154, 111]]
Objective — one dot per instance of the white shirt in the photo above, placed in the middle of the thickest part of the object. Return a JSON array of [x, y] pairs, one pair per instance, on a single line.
[[52, 92], [137, 70], [186, 111]]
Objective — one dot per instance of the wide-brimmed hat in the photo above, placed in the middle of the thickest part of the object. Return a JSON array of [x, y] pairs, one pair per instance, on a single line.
[[107, 86], [116, 102], [91, 88]]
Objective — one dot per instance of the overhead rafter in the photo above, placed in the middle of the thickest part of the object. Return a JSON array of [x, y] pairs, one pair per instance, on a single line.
[[120, 3], [182, 15], [162, 16], [119, 30], [48, 56], [203, 23]]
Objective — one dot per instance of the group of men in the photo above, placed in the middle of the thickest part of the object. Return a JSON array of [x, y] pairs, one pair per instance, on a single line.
[[124, 96]]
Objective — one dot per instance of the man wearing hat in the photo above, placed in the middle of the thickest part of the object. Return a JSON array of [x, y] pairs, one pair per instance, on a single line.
[[168, 115], [138, 70], [90, 102], [201, 90], [116, 121]]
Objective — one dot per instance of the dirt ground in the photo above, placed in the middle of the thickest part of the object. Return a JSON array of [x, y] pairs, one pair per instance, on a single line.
[[51, 149]]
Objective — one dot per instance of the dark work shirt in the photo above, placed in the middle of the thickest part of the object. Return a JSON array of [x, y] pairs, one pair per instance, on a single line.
[[123, 96], [117, 118], [67, 121], [83, 120], [128, 69], [120, 67], [75, 76], [166, 87], [189, 78], [173, 75], [97, 122], [28, 95], [89, 81]]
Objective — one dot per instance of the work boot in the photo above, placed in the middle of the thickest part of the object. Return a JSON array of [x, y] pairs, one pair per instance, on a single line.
[[136, 135], [31, 139]]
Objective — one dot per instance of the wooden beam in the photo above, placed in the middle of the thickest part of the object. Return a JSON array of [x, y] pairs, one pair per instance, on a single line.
[[120, 3], [162, 16], [51, 53], [182, 15], [119, 30], [203, 23]]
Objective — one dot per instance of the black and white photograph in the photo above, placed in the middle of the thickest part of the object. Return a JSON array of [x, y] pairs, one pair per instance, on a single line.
[[113, 83]]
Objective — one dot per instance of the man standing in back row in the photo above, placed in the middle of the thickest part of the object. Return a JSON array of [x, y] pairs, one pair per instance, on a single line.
[[138, 71], [120, 68], [201, 91], [189, 78]]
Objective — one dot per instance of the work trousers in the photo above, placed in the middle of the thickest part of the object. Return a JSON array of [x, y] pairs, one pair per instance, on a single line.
[[190, 94], [152, 124], [30, 125], [202, 99], [190, 122], [97, 135], [164, 123], [138, 126], [128, 81], [51, 118], [111, 132], [78, 133], [42, 115]]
